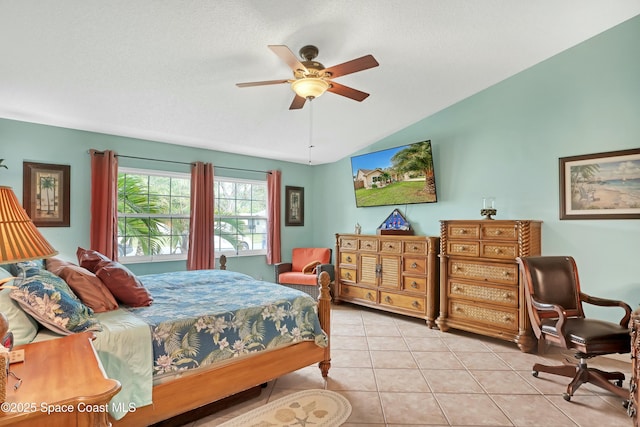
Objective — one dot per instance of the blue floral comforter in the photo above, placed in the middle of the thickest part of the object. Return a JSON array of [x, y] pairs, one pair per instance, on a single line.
[[205, 316]]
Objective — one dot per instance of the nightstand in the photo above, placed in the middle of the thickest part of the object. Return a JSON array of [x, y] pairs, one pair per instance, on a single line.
[[63, 384]]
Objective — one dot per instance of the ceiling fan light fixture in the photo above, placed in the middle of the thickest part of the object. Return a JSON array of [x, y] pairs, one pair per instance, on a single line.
[[309, 87]]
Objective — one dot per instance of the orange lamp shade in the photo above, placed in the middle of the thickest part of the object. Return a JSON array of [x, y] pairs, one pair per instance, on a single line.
[[20, 240]]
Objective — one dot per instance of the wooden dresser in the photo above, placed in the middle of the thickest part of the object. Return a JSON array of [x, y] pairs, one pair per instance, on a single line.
[[634, 398], [480, 283], [387, 272]]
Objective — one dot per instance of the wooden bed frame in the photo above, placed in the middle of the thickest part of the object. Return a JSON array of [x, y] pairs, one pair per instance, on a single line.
[[212, 384]]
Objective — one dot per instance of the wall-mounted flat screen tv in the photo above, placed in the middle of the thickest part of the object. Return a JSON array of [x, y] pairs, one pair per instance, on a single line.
[[395, 176]]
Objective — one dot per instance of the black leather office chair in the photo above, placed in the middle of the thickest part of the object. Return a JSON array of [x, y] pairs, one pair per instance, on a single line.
[[554, 301]]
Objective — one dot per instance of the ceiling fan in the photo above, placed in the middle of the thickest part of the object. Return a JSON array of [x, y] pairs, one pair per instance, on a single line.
[[311, 79]]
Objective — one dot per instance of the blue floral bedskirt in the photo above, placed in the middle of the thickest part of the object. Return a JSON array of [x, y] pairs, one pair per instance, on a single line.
[[205, 316]]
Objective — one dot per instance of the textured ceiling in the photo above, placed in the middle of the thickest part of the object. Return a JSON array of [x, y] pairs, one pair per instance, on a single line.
[[165, 70]]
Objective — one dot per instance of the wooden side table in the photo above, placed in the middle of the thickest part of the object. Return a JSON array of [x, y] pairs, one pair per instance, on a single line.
[[63, 384]]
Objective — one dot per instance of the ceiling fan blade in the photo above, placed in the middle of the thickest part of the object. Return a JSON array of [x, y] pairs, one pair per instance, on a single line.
[[298, 102], [287, 56], [266, 82], [347, 91], [359, 64]]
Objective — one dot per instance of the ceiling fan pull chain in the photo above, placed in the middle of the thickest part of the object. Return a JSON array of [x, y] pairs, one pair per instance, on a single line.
[[310, 128]]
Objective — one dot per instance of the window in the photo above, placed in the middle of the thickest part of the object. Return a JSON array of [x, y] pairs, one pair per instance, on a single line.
[[154, 208], [153, 215], [240, 216]]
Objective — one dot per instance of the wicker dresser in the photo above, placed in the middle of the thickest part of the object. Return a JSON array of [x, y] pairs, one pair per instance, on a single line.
[[632, 409], [392, 273], [479, 279]]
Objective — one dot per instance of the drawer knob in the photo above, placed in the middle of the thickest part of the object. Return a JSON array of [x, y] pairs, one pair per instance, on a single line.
[[387, 299], [498, 232], [414, 285], [507, 295], [416, 304], [414, 265], [348, 259], [456, 268], [458, 309], [497, 250], [507, 318], [457, 288], [348, 275], [462, 231], [368, 245], [505, 273], [370, 296]]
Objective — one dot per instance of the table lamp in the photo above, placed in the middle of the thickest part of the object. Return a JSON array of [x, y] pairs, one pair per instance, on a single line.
[[20, 240]]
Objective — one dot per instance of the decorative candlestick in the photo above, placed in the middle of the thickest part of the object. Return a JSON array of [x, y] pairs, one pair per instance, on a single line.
[[488, 207]]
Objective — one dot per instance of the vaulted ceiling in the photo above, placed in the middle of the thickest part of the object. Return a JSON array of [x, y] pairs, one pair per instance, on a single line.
[[165, 70]]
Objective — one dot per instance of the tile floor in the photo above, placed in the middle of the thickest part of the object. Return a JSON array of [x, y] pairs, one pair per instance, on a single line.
[[397, 372]]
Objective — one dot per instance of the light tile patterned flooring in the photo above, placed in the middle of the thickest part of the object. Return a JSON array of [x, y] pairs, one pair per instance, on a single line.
[[397, 372]]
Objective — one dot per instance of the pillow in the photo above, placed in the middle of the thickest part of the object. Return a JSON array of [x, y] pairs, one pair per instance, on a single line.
[[23, 326], [45, 297], [89, 259], [311, 267], [123, 284], [86, 285], [25, 269]]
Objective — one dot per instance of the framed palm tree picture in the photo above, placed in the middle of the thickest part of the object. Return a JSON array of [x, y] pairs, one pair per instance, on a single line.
[[294, 215], [46, 193], [601, 185]]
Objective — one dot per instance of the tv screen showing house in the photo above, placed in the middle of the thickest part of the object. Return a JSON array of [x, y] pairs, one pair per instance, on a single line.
[[395, 176]]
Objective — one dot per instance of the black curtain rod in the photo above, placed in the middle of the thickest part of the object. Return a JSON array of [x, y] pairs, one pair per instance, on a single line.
[[185, 163]]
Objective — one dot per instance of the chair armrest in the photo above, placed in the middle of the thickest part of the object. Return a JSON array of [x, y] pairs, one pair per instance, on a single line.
[[279, 268], [329, 268], [562, 317], [604, 302]]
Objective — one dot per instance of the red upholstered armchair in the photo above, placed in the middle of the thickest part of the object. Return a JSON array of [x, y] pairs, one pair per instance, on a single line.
[[303, 270]]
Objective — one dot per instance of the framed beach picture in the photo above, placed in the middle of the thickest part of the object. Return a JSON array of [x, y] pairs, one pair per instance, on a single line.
[[45, 193], [294, 206], [601, 185]]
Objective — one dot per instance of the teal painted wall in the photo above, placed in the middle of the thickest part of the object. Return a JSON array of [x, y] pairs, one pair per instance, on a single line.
[[20, 141], [504, 141]]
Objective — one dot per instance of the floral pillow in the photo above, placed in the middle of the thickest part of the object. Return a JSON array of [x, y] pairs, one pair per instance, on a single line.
[[50, 301], [23, 326], [25, 269]]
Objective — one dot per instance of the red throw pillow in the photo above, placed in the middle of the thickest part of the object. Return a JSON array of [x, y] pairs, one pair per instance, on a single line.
[[123, 284], [89, 259], [86, 285]]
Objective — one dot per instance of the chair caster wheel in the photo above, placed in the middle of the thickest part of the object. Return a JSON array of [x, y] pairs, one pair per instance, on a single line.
[[534, 373], [619, 383], [566, 397]]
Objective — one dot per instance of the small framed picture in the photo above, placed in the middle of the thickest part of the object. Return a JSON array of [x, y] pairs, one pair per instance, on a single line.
[[294, 206], [601, 185], [46, 193]]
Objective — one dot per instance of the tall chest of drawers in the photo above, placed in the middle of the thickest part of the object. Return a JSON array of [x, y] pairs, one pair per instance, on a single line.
[[634, 382], [480, 285], [392, 273]]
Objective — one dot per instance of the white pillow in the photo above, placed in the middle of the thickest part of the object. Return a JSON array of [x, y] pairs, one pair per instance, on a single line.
[[23, 326]]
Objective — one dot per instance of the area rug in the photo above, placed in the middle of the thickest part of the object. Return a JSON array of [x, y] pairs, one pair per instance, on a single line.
[[317, 408]]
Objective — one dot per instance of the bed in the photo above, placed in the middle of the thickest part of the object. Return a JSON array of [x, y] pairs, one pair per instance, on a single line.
[[193, 363]]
